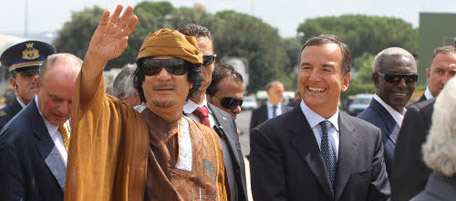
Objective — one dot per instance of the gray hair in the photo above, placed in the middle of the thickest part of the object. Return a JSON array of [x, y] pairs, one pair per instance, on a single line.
[[123, 84], [391, 51], [439, 151], [75, 64]]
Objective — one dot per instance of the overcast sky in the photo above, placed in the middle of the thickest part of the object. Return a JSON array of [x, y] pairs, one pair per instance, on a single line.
[[50, 15]]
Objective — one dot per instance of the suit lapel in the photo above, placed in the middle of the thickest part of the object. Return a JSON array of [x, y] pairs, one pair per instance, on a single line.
[[47, 148], [388, 120], [222, 121], [347, 149], [306, 145]]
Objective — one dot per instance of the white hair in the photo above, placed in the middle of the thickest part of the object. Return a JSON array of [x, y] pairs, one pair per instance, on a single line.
[[439, 151], [391, 51], [123, 83]]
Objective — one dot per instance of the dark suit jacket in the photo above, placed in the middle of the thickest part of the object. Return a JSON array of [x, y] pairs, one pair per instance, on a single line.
[[31, 166], [260, 115], [376, 114], [227, 128], [410, 173], [286, 163], [8, 112], [438, 188]]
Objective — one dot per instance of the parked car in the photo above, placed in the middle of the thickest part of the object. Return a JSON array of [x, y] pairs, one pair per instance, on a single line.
[[250, 103], [360, 103]]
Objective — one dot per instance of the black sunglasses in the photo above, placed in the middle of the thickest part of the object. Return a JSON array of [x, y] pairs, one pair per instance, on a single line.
[[230, 103], [208, 59], [176, 66], [396, 78]]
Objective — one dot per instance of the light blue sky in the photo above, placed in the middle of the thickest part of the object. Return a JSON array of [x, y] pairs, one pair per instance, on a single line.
[[50, 15]]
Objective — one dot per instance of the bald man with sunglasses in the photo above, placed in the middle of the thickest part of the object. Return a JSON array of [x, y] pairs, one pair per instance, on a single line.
[[199, 109], [395, 77]]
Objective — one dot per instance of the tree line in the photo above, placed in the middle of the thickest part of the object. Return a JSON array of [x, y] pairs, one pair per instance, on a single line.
[[270, 57]]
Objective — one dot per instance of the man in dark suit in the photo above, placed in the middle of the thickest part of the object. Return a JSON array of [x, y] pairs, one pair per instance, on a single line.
[[316, 152], [272, 108], [394, 77], [34, 144], [200, 110], [441, 69], [410, 173], [439, 149], [23, 61]]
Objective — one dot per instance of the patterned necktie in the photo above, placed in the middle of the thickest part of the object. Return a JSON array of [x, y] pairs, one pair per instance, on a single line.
[[65, 135], [328, 152], [274, 111], [203, 114]]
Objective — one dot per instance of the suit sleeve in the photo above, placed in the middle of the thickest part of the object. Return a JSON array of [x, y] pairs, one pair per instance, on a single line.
[[266, 168], [11, 178], [409, 171], [379, 186]]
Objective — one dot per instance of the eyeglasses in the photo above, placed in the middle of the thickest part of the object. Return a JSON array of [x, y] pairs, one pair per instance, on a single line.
[[176, 66], [208, 59], [230, 103], [395, 78]]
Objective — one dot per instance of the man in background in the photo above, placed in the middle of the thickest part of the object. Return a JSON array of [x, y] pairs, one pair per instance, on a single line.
[[394, 77], [123, 87], [226, 90], [410, 173], [199, 109], [23, 61], [441, 69], [272, 108], [34, 145]]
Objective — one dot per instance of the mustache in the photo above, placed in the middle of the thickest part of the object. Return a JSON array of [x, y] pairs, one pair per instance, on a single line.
[[164, 85]]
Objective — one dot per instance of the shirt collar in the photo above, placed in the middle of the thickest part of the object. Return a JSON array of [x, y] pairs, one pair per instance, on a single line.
[[428, 94], [394, 113], [20, 102], [191, 106], [270, 104], [314, 118]]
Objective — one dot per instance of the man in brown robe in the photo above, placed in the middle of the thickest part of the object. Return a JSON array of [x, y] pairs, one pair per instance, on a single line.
[[117, 153]]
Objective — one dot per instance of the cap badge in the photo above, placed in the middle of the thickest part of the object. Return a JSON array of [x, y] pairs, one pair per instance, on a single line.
[[30, 53]]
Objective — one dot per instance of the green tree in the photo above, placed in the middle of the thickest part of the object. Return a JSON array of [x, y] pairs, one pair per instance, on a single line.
[[363, 33], [240, 35], [361, 80], [74, 37]]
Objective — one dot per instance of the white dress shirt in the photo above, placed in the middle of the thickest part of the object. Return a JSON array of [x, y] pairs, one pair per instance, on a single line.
[[270, 109], [398, 117], [428, 94], [191, 106], [333, 131]]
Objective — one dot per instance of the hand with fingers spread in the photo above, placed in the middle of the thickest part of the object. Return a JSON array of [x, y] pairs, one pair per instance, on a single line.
[[108, 42], [111, 36]]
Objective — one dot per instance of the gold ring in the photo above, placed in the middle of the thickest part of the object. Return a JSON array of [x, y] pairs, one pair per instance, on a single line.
[[112, 23]]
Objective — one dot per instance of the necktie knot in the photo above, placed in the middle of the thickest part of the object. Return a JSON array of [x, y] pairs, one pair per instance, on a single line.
[[203, 114]]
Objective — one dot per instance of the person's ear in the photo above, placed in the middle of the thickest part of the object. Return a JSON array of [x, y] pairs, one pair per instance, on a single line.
[[13, 82]]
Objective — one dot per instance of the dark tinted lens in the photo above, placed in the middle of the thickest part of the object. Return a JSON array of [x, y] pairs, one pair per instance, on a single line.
[[396, 78], [208, 59], [154, 66], [231, 103]]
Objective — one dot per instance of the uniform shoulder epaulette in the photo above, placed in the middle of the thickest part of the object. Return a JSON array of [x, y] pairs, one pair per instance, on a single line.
[[2, 113]]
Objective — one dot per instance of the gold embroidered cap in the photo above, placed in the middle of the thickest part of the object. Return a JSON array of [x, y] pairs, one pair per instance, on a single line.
[[167, 42], [26, 56]]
